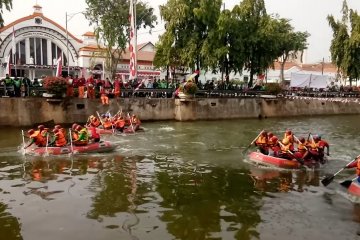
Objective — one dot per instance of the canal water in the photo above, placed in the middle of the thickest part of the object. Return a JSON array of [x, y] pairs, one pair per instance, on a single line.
[[180, 180]]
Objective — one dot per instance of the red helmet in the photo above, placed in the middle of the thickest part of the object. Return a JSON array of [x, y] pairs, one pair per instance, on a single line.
[[57, 126], [78, 128], [55, 130], [31, 131], [288, 132], [274, 139], [302, 139], [41, 127], [270, 135], [74, 126]]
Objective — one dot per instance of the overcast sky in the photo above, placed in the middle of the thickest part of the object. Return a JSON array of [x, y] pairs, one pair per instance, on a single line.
[[306, 15]]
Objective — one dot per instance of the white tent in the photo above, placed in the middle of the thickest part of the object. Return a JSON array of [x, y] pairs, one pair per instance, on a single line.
[[301, 80]]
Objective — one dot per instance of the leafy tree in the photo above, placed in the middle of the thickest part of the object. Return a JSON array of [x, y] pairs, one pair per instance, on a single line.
[[111, 21], [345, 45], [290, 43], [254, 24], [8, 6], [188, 25]]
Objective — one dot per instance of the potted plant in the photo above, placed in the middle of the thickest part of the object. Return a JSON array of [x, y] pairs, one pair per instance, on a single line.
[[56, 86], [187, 89]]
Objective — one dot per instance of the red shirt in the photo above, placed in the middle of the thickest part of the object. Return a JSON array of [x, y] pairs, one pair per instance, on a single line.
[[81, 82]]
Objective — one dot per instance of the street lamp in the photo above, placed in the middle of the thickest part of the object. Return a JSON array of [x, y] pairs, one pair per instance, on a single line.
[[68, 17]]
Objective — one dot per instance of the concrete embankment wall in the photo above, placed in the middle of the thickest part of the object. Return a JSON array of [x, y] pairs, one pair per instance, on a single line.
[[27, 111]]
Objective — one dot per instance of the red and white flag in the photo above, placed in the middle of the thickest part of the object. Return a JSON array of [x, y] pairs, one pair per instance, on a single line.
[[59, 67], [133, 42], [13, 42]]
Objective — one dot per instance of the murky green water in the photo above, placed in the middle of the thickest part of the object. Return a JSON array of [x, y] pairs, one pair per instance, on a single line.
[[179, 181]]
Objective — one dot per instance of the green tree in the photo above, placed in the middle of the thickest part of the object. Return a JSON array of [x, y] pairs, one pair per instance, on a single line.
[[345, 45], [111, 22], [290, 43], [188, 25], [8, 6], [256, 27]]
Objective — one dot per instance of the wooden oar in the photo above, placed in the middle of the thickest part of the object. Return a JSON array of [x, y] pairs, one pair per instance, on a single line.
[[301, 161], [347, 183], [326, 181], [253, 141], [23, 139]]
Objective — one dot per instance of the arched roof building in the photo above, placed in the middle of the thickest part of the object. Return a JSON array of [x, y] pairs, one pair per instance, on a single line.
[[38, 42]]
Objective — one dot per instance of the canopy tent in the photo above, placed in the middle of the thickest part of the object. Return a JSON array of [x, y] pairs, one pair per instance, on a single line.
[[301, 80]]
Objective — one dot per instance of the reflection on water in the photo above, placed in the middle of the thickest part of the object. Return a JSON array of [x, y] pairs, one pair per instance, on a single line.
[[178, 181]]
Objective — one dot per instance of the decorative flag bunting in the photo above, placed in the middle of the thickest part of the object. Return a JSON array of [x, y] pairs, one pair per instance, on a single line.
[[133, 43]]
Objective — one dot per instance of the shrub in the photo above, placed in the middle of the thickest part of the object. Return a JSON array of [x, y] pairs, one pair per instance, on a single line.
[[188, 88], [273, 88], [55, 85]]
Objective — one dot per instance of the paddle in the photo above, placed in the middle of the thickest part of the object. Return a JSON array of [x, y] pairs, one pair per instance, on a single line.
[[132, 126], [71, 142], [300, 142], [326, 181], [253, 141], [102, 123], [23, 139], [347, 183], [301, 161]]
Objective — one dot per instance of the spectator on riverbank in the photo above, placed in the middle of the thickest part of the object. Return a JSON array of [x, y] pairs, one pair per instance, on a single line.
[[27, 84]]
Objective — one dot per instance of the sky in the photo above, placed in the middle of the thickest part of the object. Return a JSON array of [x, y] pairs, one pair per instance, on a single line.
[[305, 15]]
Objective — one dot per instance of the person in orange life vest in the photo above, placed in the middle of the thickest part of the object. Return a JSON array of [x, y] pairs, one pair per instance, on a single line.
[[59, 138], [262, 142], [69, 86], [321, 147], [302, 151], [104, 96], [37, 138], [314, 148], [274, 147], [356, 164], [117, 88], [120, 124], [107, 123], [57, 126], [285, 149], [136, 121], [95, 136], [81, 87], [83, 136], [289, 135], [74, 133], [270, 135], [94, 121], [91, 87]]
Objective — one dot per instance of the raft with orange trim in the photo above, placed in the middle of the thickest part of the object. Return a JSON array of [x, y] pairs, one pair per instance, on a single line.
[[278, 162], [99, 147], [354, 188]]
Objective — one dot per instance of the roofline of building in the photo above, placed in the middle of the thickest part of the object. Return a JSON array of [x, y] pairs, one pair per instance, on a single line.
[[23, 19]]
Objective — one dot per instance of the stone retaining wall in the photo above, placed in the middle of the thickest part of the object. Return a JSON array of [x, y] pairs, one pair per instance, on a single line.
[[27, 111]]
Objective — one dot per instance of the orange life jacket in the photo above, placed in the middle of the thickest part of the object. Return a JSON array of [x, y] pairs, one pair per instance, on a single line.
[[301, 148], [120, 123], [107, 124], [261, 140], [60, 139], [40, 141], [95, 122], [75, 136]]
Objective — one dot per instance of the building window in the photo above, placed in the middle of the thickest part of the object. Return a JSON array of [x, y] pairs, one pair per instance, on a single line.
[[38, 51], [22, 52], [44, 52], [32, 49], [53, 51]]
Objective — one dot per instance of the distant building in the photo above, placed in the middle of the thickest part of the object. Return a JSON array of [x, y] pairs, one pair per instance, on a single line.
[[40, 42]]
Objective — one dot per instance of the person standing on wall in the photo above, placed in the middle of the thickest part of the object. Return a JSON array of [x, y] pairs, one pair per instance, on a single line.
[[27, 84]]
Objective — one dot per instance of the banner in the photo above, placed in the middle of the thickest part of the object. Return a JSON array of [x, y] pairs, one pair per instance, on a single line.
[[133, 43], [59, 67]]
